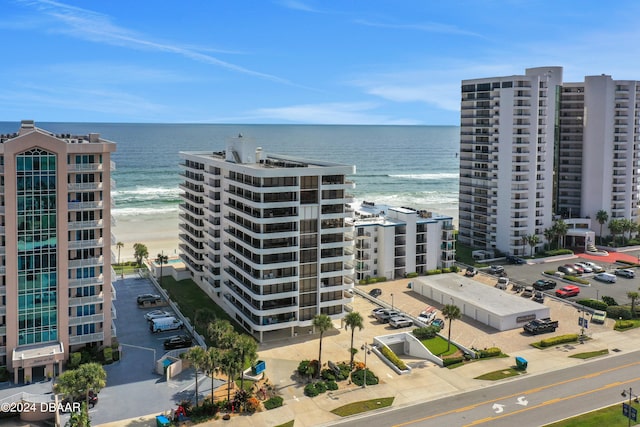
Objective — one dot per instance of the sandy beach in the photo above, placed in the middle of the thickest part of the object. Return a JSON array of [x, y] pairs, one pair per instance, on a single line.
[[159, 235]]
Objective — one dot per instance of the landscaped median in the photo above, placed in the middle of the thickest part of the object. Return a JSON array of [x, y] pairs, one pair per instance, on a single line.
[[557, 340]]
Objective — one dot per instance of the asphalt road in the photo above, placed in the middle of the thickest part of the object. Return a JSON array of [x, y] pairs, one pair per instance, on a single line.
[[534, 401]]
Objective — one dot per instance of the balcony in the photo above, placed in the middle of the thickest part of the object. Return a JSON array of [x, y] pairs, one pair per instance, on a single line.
[[80, 225], [81, 320], [94, 299], [84, 339]]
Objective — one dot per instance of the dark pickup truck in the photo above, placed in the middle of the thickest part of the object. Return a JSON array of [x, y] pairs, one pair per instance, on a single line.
[[541, 326]]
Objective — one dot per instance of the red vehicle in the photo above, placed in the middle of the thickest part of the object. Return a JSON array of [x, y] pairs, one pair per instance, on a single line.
[[568, 291]]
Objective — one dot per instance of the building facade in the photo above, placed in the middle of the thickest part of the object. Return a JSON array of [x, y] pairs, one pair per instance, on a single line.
[[394, 241], [267, 237], [533, 148], [56, 249]]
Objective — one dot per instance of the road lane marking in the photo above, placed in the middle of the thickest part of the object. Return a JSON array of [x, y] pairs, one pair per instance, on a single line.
[[537, 389], [522, 401], [498, 408]]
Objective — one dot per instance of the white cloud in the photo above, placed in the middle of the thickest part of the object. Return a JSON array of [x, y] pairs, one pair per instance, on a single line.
[[430, 27]]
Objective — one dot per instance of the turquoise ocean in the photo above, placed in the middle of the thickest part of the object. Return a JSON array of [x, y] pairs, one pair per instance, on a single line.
[[413, 166]]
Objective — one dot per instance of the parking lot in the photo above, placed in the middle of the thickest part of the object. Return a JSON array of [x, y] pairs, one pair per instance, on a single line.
[[133, 388]]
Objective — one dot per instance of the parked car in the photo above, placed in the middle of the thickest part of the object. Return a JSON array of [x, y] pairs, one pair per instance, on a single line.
[[528, 292], [585, 268], [515, 260], [156, 314], [148, 298], [568, 291], [606, 277], [383, 316], [568, 269], [178, 341], [400, 322], [598, 317], [93, 400], [503, 282], [577, 268], [427, 315], [438, 322], [375, 292], [544, 284], [625, 272], [471, 271], [538, 297], [496, 269], [375, 310], [595, 267]]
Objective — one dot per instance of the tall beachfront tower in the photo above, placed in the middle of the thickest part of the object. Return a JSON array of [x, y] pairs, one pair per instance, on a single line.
[[55, 247], [267, 236], [534, 148], [599, 147], [507, 131]]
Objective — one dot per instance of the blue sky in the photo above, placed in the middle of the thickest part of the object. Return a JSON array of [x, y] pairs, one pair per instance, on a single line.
[[292, 61]]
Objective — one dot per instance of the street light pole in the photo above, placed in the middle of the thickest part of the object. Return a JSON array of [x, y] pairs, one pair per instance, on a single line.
[[635, 399], [365, 347], [392, 301]]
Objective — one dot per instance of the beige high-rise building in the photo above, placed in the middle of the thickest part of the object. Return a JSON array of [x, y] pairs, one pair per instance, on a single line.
[[55, 249]]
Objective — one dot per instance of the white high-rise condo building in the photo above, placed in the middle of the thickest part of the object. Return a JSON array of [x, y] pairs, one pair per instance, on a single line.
[[267, 236], [533, 148], [55, 249]]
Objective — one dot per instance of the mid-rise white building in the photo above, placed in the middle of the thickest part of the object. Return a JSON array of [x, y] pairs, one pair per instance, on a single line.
[[533, 147], [267, 236], [394, 241]]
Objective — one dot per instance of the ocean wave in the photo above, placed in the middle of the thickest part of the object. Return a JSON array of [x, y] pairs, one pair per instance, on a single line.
[[427, 176], [144, 191], [147, 211]]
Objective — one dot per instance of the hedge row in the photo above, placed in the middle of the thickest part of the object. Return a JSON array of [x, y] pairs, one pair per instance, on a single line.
[[452, 360], [371, 280], [560, 339], [426, 333], [618, 312], [624, 324], [593, 303], [274, 402], [316, 388], [490, 352], [391, 356]]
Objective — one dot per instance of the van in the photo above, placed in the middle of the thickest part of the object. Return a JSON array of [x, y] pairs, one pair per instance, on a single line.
[[165, 324]]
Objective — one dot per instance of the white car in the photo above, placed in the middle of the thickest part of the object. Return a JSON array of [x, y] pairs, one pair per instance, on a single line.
[[156, 314], [595, 267], [427, 316], [606, 277], [400, 322], [586, 267]]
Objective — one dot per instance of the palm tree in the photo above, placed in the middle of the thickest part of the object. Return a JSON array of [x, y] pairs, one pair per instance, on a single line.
[[451, 312], [633, 296], [560, 230], [627, 226], [548, 234], [120, 245], [353, 320], [602, 216], [524, 239], [323, 323], [221, 334], [140, 252], [615, 226], [212, 365], [230, 366], [198, 358], [248, 349], [533, 240]]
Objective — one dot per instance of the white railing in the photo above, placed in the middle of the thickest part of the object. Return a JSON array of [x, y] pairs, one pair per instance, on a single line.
[[83, 339]]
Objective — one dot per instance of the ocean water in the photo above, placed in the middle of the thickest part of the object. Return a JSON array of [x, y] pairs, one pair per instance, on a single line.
[[414, 166]]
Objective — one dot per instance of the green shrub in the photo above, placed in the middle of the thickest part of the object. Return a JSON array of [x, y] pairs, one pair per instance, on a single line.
[[618, 312], [559, 252], [331, 385], [490, 352], [345, 370], [357, 377], [454, 269], [432, 272], [592, 303], [550, 272], [426, 333], [609, 301], [391, 356], [74, 360], [446, 270], [624, 324], [328, 374], [116, 355], [452, 360], [576, 279], [560, 339], [411, 275], [107, 353], [274, 402], [310, 390], [321, 387]]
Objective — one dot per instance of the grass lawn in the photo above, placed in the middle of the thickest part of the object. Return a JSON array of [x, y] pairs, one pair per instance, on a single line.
[[438, 346], [501, 374], [590, 354], [287, 424], [363, 406], [610, 416], [125, 268]]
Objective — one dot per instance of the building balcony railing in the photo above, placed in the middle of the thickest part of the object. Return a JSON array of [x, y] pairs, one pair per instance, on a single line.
[[81, 320], [83, 339], [79, 225], [91, 186], [86, 262], [80, 206], [82, 244], [94, 299]]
